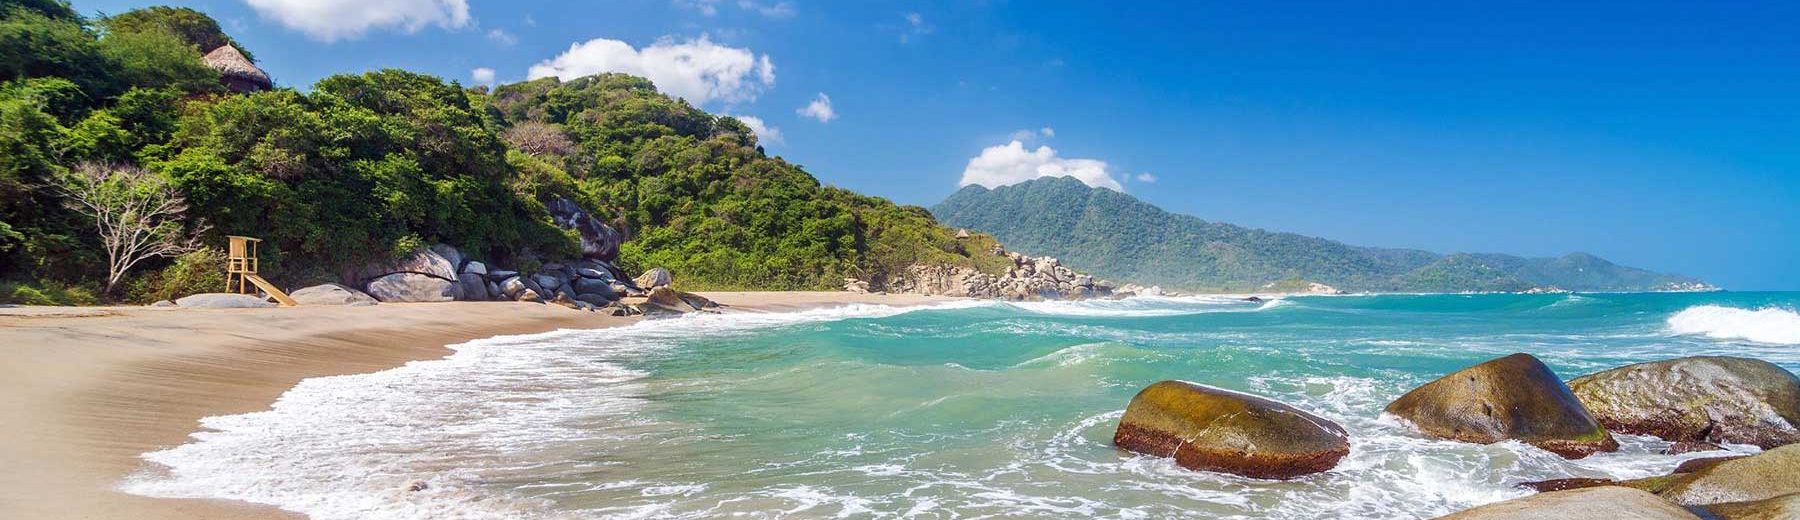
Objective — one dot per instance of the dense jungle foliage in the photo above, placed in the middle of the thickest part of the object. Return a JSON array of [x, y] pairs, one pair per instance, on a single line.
[[361, 167]]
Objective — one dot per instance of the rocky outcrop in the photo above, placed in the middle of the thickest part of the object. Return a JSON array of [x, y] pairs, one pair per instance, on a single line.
[[1785, 507], [1708, 399], [1515, 397], [1597, 503], [1029, 279], [654, 278], [598, 240], [223, 301], [331, 294], [413, 287], [1212, 429], [1762, 476]]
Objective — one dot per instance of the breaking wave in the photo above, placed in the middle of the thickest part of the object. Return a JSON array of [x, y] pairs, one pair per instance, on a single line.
[[1766, 325]]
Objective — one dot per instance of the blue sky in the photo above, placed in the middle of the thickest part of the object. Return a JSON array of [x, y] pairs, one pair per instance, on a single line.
[[1664, 135]]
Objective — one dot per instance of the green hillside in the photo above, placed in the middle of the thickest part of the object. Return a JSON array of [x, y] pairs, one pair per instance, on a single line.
[[1114, 235], [362, 167]]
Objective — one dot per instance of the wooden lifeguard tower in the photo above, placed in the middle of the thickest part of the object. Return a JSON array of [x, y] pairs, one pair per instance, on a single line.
[[240, 270]]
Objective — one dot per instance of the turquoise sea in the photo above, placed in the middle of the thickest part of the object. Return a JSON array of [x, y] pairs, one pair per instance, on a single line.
[[965, 410]]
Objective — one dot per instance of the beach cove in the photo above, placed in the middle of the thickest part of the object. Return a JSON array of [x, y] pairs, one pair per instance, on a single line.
[[89, 390]]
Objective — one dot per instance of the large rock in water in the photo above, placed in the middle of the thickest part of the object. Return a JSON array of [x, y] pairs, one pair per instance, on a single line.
[[1596, 503], [1785, 507], [331, 294], [1213, 429], [223, 301], [1697, 399], [666, 300], [1762, 476], [413, 287], [598, 240], [1515, 397]]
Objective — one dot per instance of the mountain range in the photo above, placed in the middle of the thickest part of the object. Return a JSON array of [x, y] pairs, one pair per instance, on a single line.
[[1117, 236]]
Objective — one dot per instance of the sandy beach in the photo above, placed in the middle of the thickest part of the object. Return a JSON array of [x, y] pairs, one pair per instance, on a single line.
[[85, 391]]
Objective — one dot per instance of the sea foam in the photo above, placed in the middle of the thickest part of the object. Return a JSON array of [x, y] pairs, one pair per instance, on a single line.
[[1766, 325]]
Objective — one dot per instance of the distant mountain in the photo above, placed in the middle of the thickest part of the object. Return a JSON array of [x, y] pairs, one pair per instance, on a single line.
[[1116, 236]]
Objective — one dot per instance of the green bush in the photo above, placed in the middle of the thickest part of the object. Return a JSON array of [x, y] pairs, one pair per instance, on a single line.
[[201, 271], [45, 293]]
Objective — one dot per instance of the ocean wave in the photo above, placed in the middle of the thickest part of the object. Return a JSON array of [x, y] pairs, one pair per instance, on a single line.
[[351, 446], [1148, 306], [1776, 325]]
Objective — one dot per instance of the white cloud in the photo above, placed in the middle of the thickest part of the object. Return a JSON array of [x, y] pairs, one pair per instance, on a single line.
[[764, 132], [777, 10], [819, 108], [916, 26], [1146, 177], [482, 76], [1028, 135], [502, 37], [1011, 163], [706, 7], [696, 70], [332, 20]]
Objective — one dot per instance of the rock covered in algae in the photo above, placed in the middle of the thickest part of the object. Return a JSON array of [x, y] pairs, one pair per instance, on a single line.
[[1763, 476], [1696, 400], [1511, 398], [1213, 429]]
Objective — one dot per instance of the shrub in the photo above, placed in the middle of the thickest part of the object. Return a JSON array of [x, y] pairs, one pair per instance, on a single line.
[[193, 273]]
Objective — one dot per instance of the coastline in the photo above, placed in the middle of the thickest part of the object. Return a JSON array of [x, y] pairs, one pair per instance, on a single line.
[[86, 390]]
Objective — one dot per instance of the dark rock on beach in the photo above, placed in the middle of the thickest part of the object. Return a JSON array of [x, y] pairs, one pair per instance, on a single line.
[[1212, 429], [413, 287], [1511, 398], [1711, 399], [598, 240], [1595, 503]]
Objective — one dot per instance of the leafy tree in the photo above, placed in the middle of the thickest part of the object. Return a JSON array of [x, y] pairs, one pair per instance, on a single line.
[[193, 27], [157, 59], [36, 45]]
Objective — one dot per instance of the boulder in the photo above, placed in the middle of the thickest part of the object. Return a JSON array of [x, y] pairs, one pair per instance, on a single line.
[[529, 295], [423, 261], [493, 290], [474, 267], [595, 299], [585, 285], [593, 274], [562, 298], [474, 289], [1785, 507], [1706, 399], [413, 287], [1207, 428], [654, 278], [1655, 484], [512, 286], [598, 240], [1515, 397], [696, 301], [223, 301], [1762, 476], [1595, 503], [165, 303], [548, 282], [331, 294], [450, 254], [853, 285], [499, 274], [666, 300]]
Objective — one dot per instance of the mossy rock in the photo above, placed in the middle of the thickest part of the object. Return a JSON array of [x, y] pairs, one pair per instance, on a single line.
[[1214, 429], [1785, 507], [1697, 399], [1762, 476], [1511, 398], [1594, 503]]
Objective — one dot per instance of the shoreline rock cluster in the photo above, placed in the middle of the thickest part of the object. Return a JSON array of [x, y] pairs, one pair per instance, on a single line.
[[1705, 400], [1031, 278]]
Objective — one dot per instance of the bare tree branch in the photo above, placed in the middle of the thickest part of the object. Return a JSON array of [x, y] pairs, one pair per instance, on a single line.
[[137, 214]]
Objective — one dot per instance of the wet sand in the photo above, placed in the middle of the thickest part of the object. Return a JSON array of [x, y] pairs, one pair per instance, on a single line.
[[85, 391]]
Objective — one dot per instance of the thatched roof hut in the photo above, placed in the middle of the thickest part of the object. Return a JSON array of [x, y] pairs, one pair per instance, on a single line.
[[962, 233], [236, 71]]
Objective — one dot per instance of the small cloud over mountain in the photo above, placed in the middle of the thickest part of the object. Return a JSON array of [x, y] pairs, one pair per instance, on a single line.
[[697, 70], [1013, 163]]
